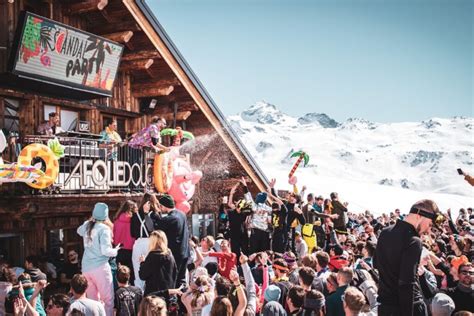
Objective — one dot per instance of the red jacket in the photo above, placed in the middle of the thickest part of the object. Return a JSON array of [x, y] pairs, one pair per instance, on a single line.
[[122, 232], [226, 261]]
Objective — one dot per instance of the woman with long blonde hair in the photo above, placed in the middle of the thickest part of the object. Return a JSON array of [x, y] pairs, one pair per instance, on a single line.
[[158, 269]]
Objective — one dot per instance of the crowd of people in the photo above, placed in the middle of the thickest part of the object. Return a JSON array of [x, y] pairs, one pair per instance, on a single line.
[[300, 254]]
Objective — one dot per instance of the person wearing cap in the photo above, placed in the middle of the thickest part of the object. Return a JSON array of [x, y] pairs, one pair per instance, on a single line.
[[51, 127], [260, 220], [442, 305], [240, 211], [397, 256], [97, 235], [173, 222]]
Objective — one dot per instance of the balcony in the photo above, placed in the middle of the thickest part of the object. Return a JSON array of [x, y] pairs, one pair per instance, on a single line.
[[89, 166]]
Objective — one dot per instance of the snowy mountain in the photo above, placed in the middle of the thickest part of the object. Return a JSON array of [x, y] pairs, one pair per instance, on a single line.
[[419, 157]]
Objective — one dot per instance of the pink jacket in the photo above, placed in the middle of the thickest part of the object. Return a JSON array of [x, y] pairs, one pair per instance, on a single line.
[[122, 232]]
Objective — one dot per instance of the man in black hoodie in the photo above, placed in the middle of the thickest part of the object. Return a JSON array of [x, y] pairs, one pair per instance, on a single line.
[[397, 257], [173, 222]]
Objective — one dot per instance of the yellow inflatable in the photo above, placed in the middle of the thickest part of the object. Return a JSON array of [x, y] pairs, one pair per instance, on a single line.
[[309, 236], [50, 159], [162, 172]]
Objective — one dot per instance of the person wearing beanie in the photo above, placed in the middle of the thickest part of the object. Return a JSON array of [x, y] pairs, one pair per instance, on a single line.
[[397, 256], [174, 223], [442, 305], [97, 236], [272, 293], [260, 220]]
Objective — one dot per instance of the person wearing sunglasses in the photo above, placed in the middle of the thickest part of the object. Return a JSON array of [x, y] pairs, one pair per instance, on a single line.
[[58, 305], [149, 137], [397, 256], [463, 294]]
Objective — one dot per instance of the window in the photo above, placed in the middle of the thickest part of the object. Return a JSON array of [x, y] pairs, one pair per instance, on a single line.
[[68, 118], [11, 121]]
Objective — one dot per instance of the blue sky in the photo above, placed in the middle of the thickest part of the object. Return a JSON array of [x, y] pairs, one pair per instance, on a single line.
[[381, 60]]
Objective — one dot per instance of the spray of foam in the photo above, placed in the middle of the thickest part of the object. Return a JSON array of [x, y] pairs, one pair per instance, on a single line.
[[205, 146]]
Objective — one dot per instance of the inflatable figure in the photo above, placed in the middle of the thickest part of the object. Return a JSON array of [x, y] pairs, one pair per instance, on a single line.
[[301, 156], [173, 173], [23, 171]]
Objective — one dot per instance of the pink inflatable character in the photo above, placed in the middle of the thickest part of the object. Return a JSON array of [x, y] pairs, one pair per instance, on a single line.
[[184, 183], [185, 179]]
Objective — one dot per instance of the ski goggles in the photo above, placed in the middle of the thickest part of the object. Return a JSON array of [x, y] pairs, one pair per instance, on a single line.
[[436, 218]]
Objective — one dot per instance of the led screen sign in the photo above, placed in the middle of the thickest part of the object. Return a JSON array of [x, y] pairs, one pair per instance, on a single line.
[[56, 53]]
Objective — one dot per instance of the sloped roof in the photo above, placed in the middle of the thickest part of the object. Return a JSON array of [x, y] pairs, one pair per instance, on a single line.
[[170, 46]]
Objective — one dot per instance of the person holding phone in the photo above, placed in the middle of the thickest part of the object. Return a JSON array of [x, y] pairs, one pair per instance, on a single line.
[[467, 177], [97, 235]]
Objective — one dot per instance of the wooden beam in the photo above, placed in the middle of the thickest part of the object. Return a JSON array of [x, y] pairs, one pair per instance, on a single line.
[[135, 65], [86, 6], [153, 92], [120, 37], [155, 83], [113, 27], [180, 116], [143, 54]]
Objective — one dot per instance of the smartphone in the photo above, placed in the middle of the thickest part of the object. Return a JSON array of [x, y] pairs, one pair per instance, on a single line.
[[225, 199], [460, 171]]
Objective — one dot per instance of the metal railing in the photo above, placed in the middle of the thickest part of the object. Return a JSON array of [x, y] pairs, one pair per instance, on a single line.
[[92, 166]]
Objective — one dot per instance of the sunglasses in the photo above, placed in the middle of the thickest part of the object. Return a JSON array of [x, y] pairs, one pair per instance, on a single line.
[[49, 306], [466, 272]]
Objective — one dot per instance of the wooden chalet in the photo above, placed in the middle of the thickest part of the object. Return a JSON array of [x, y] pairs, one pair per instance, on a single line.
[[150, 78]]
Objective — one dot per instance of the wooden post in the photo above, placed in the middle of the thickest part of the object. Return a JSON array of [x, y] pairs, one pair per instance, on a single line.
[[86, 6], [153, 92]]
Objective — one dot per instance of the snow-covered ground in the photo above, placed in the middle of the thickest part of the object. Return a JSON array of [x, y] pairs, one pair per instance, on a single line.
[[371, 165]]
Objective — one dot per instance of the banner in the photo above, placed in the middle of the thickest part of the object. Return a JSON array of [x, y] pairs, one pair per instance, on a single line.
[[55, 53]]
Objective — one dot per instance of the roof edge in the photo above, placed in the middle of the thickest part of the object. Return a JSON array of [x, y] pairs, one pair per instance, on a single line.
[[143, 6]]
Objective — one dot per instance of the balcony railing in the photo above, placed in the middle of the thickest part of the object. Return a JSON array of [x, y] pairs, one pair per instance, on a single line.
[[91, 166]]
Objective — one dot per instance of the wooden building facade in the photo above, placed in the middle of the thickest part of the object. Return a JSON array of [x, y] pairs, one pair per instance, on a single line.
[[152, 79]]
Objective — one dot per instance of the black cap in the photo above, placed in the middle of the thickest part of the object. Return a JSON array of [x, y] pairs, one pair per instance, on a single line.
[[167, 201]]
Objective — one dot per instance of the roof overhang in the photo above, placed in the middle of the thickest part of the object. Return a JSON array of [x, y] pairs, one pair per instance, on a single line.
[[160, 39]]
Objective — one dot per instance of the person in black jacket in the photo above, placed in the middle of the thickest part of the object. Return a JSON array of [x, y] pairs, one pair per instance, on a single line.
[[397, 257], [173, 222], [295, 215], [158, 269], [462, 294], [341, 210]]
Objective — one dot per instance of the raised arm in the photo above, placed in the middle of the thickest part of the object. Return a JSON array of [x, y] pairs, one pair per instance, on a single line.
[[230, 201]]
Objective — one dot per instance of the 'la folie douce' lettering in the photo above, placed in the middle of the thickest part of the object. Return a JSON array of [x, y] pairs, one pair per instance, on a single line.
[[75, 47]]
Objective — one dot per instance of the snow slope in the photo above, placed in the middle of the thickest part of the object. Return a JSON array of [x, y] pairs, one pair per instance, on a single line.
[[372, 165]]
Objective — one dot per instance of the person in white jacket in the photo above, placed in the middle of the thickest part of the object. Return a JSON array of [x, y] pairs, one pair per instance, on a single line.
[[97, 235]]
